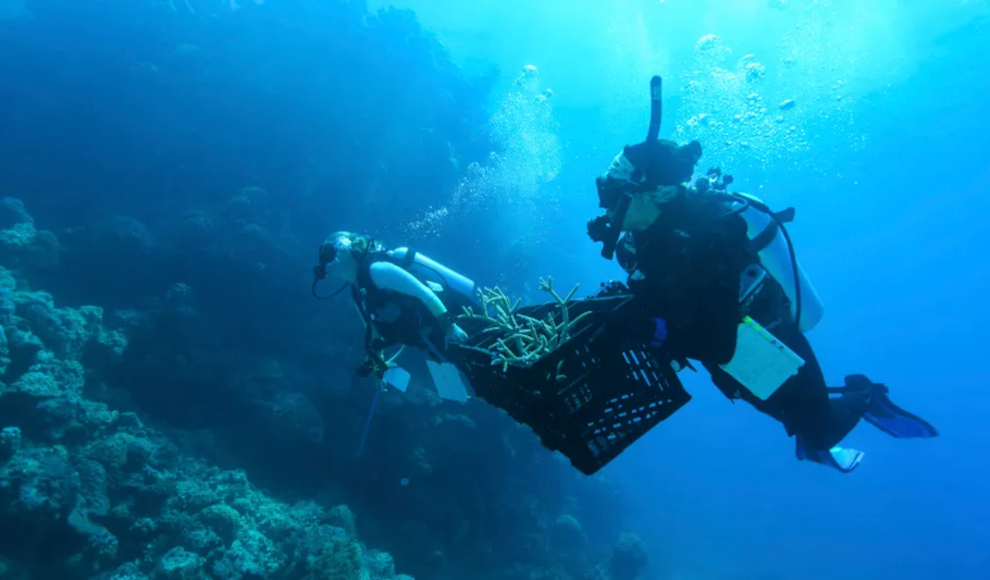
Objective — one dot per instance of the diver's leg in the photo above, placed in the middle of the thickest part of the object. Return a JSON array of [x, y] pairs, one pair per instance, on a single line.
[[801, 404]]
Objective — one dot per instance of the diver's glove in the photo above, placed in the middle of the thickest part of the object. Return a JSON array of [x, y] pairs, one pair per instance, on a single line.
[[659, 332], [453, 334], [456, 335], [637, 323], [366, 368]]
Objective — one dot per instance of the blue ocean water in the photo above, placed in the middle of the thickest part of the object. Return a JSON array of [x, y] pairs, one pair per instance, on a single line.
[[175, 404]]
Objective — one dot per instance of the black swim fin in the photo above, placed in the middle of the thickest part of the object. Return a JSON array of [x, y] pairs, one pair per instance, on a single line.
[[882, 413]]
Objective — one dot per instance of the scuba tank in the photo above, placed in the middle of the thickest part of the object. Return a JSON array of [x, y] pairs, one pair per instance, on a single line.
[[777, 258], [429, 270]]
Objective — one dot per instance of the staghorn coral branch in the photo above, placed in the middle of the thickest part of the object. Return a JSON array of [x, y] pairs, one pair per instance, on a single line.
[[524, 340]]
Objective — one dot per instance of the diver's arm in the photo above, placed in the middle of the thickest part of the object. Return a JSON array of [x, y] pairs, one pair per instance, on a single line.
[[391, 277]]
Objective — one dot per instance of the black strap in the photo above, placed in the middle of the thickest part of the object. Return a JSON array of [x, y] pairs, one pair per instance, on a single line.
[[766, 237], [376, 360], [785, 216], [407, 261], [615, 226]]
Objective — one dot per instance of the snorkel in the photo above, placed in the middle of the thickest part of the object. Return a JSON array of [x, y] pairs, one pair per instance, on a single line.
[[656, 108]]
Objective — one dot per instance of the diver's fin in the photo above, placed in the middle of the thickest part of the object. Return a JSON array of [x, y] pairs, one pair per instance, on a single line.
[[451, 386], [397, 377], [839, 458], [883, 414]]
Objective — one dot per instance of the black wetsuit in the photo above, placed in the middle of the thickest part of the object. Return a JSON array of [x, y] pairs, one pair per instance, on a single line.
[[692, 259]]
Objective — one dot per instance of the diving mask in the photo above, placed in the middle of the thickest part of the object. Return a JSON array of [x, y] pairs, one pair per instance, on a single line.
[[330, 253], [333, 248]]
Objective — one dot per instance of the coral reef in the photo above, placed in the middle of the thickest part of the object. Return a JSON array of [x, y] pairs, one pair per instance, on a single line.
[[20, 243], [95, 492]]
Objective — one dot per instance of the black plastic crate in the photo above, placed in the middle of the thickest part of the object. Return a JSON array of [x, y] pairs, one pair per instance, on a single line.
[[615, 389]]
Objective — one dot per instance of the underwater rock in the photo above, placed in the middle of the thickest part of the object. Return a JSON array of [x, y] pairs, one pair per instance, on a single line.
[[288, 419], [252, 555], [47, 402], [180, 301], [123, 453], [38, 385], [69, 333], [179, 564], [149, 488], [9, 570], [193, 496], [122, 231], [379, 565], [629, 557], [10, 442], [128, 571], [4, 352], [22, 348], [100, 546], [93, 487], [331, 555], [221, 519], [38, 487], [342, 517], [13, 213], [194, 230], [567, 534], [200, 539], [21, 245]]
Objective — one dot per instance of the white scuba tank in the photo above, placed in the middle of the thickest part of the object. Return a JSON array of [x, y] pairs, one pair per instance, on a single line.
[[776, 260], [432, 271]]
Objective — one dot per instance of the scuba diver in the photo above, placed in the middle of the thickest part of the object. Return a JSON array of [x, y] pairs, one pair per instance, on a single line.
[[405, 299], [718, 282]]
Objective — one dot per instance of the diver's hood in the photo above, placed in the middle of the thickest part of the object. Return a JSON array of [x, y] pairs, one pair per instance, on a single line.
[[663, 162], [343, 243]]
